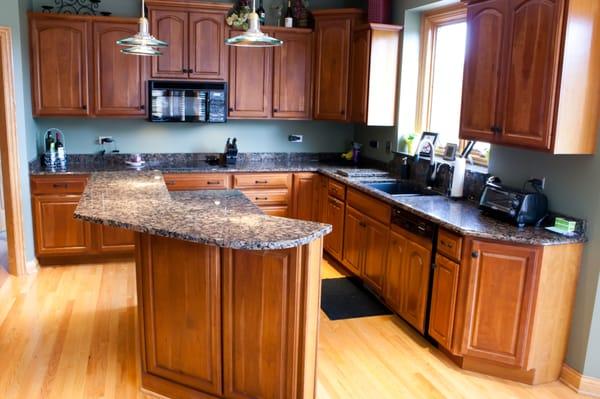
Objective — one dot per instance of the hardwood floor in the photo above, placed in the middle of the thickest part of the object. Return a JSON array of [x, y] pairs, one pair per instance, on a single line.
[[69, 333]]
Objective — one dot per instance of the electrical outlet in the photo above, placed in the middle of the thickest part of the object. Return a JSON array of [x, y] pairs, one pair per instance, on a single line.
[[104, 139], [295, 138]]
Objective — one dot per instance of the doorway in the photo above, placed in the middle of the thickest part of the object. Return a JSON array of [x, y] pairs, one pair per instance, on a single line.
[[9, 164]]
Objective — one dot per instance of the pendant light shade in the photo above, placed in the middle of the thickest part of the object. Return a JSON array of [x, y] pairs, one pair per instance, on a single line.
[[253, 37], [142, 43]]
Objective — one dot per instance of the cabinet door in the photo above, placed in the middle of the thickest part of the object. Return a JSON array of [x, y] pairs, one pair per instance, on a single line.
[[359, 84], [172, 27], [114, 240], [292, 75], [322, 198], [119, 79], [304, 195], [250, 81], [208, 53], [59, 60], [375, 252], [354, 244], [532, 72], [335, 216], [331, 68], [394, 277], [415, 287], [443, 301], [499, 302], [56, 231], [181, 321], [261, 323], [486, 29]]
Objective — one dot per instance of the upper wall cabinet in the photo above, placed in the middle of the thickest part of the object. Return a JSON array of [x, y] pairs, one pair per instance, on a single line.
[[532, 74], [59, 65], [333, 32], [195, 32], [78, 70], [272, 82], [374, 74]]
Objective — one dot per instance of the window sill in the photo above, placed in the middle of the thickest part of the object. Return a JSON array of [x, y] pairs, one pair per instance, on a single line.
[[438, 159]]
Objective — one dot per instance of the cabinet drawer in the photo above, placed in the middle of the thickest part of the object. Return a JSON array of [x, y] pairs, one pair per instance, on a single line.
[[62, 184], [449, 244], [279, 180], [268, 197], [336, 189], [193, 181], [369, 206]]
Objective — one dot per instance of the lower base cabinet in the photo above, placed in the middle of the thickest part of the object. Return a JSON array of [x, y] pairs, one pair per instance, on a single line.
[[223, 323], [443, 301], [334, 214], [407, 276]]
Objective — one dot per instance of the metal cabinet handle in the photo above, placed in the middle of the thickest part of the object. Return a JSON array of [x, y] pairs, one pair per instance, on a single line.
[[213, 182], [60, 185], [446, 244], [261, 181], [261, 198], [475, 254], [170, 182]]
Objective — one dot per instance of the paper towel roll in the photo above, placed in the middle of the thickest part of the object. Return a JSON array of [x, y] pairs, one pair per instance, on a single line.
[[458, 177]]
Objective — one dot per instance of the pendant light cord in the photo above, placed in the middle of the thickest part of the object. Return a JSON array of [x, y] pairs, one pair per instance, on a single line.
[[253, 5], [143, 10]]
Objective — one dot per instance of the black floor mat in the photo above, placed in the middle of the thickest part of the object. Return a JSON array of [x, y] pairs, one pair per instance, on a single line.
[[345, 298]]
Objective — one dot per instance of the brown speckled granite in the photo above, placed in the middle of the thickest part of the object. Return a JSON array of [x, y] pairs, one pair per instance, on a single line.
[[140, 201], [457, 215], [461, 216]]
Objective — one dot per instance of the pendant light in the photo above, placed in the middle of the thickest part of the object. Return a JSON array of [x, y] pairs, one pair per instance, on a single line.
[[143, 43], [253, 37]]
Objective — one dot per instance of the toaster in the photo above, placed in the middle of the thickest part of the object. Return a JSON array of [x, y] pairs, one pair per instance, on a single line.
[[512, 205]]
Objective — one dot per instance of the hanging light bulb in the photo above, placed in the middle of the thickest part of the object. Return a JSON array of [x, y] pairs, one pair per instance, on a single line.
[[253, 37], [142, 43]]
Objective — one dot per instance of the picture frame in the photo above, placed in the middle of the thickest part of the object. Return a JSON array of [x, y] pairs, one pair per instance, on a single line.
[[426, 151], [450, 152]]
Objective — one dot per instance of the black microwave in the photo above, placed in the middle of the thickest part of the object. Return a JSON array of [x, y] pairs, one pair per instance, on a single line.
[[199, 102]]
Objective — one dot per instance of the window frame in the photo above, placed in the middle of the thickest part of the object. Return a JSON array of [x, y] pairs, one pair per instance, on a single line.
[[431, 21]]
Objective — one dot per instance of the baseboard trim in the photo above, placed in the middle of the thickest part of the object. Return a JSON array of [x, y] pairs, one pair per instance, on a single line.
[[32, 266], [578, 382]]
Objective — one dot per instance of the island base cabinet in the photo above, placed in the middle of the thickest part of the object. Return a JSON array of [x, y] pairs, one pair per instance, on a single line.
[[225, 323]]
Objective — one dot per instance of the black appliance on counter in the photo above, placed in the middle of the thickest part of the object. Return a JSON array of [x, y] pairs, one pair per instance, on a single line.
[[199, 102], [515, 206]]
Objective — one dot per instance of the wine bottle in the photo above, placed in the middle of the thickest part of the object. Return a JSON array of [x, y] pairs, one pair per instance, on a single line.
[[289, 19], [262, 14]]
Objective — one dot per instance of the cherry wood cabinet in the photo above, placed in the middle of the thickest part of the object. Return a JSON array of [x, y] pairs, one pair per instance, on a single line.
[[305, 205], [335, 211], [374, 74], [500, 301], [119, 79], [113, 239], [333, 30], [407, 276], [56, 231], [180, 346], [78, 69], [365, 247], [443, 301], [196, 35], [250, 81], [527, 62], [292, 75], [59, 47]]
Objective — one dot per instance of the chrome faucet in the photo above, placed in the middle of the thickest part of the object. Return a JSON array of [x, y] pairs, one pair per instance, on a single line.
[[432, 168]]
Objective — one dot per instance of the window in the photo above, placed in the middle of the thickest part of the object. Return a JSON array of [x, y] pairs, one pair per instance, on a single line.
[[443, 42]]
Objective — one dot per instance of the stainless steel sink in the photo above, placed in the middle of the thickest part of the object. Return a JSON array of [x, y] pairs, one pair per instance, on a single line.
[[401, 188]]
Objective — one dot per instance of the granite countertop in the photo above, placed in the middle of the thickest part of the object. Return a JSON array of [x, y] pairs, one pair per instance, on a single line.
[[460, 216], [140, 201]]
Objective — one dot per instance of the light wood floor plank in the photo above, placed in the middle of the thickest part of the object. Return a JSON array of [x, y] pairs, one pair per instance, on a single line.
[[70, 333]]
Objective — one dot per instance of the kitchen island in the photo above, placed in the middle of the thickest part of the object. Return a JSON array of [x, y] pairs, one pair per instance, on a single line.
[[228, 297]]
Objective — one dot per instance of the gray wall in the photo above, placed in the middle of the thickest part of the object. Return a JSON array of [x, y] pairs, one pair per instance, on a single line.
[[141, 136], [572, 186], [12, 15]]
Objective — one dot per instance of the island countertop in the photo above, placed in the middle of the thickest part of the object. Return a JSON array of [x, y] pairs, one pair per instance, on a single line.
[[140, 201]]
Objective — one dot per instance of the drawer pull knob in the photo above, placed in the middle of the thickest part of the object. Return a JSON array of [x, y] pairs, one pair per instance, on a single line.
[[475, 254]]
